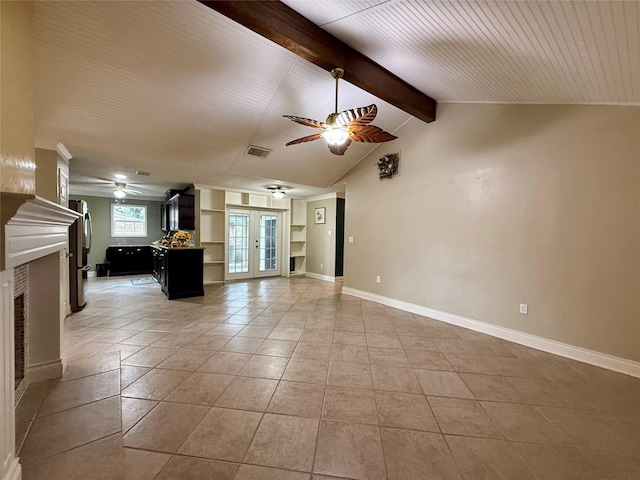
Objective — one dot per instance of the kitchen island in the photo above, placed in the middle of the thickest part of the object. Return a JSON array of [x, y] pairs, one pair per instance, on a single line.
[[178, 270]]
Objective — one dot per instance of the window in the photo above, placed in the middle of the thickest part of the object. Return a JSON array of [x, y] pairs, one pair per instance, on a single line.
[[128, 220]]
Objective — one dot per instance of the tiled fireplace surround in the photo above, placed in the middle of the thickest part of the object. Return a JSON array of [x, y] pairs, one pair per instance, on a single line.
[[21, 327]]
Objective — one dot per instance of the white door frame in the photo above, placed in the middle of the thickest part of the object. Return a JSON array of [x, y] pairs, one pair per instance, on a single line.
[[254, 244]]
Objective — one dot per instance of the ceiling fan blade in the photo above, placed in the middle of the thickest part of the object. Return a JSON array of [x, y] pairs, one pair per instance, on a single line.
[[308, 122], [308, 138], [371, 134], [340, 149], [357, 116]]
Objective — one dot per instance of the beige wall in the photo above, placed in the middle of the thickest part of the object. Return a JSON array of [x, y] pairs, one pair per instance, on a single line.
[[321, 247], [17, 166], [47, 174], [498, 205]]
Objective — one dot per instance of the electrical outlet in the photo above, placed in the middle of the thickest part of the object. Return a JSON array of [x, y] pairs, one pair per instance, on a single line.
[[350, 239], [377, 278], [524, 309], [329, 233], [322, 265]]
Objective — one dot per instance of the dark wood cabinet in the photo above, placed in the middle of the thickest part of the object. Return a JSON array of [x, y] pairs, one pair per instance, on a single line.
[[157, 254], [178, 212], [179, 271], [129, 260]]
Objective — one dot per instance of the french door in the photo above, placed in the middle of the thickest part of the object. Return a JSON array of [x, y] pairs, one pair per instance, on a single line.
[[253, 240]]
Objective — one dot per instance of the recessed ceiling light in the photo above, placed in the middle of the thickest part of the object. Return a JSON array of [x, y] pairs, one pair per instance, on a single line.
[[120, 176]]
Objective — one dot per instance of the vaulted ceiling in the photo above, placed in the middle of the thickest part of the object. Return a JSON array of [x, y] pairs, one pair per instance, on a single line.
[[178, 90]]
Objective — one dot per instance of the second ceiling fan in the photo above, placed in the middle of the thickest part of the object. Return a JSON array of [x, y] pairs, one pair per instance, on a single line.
[[340, 129]]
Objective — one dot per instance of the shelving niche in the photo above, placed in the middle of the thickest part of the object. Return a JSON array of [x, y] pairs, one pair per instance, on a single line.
[[298, 238], [210, 232]]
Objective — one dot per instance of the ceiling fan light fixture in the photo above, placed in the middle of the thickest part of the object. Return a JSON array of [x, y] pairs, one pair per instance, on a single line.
[[119, 191], [336, 135], [277, 191]]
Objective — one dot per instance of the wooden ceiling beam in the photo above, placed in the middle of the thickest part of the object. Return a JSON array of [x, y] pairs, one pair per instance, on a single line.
[[279, 23]]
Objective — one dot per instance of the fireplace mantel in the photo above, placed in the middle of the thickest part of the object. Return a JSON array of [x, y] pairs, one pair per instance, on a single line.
[[33, 228]]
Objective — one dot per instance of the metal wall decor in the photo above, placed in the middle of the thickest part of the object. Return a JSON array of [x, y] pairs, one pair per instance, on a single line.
[[388, 165]]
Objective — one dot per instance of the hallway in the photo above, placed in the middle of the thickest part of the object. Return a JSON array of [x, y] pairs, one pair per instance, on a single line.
[[288, 379]]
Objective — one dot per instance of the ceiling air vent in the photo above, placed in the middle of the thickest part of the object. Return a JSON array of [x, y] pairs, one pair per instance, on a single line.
[[257, 151]]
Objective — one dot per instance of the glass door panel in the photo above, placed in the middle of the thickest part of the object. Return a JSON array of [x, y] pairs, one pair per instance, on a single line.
[[239, 251], [267, 258], [253, 244]]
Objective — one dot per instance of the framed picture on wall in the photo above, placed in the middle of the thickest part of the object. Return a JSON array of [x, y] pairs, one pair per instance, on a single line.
[[319, 214]]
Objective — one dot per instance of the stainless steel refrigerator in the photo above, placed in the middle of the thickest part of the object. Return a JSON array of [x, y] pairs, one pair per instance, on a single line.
[[79, 248]]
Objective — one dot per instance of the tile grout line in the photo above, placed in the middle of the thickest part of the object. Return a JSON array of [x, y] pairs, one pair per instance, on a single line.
[[395, 321]]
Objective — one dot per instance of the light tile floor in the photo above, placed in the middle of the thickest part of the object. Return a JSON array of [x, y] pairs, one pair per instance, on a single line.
[[288, 379]]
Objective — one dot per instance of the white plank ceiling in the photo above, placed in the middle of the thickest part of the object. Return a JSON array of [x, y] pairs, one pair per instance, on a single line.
[[178, 90]]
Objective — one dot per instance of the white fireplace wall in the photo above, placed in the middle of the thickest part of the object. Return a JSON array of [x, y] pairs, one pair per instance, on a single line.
[[44, 310]]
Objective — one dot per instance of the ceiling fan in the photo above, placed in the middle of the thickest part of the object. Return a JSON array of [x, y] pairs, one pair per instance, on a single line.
[[277, 191], [119, 189], [340, 129]]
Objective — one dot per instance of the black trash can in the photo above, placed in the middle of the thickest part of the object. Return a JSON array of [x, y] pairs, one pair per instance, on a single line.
[[102, 269]]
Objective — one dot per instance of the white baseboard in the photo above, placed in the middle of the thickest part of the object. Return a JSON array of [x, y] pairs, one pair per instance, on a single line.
[[610, 362], [13, 469], [40, 372], [326, 278]]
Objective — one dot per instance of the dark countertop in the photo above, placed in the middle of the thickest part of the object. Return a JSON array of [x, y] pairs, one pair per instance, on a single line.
[[177, 248]]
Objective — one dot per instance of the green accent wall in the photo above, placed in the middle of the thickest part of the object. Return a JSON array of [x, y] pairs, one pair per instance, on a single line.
[[100, 210]]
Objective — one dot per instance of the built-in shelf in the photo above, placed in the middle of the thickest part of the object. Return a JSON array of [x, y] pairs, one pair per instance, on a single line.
[[298, 238], [210, 232]]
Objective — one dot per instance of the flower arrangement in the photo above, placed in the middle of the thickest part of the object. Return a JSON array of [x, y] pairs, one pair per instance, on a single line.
[[181, 238]]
